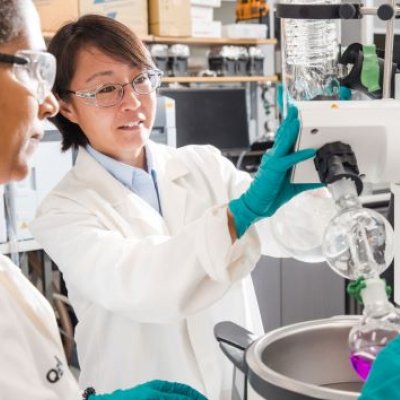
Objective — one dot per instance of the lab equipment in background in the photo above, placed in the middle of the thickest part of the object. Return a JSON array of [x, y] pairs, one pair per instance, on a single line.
[[223, 60], [365, 74], [216, 116], [242, 61], [310, 56], [178, 56], [236, 60], [245, 31], [251, 9], [164, 127], [48, 166], [256, 61], [159, 53]]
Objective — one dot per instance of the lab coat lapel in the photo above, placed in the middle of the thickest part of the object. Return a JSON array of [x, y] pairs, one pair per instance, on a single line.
[[127, 204], [173, 195]]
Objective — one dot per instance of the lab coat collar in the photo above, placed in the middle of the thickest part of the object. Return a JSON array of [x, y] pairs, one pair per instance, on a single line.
[[95, 176], [166, 161], [169, 167]]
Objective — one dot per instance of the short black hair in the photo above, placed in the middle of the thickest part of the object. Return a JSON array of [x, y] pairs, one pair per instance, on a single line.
[[11, 20], [109, 36]]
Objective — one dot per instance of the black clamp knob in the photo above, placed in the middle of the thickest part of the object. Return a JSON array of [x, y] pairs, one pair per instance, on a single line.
[[335, 161], [385, 12], [348, 11]]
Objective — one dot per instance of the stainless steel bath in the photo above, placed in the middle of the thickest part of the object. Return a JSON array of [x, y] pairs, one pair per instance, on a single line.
[[303, 361]]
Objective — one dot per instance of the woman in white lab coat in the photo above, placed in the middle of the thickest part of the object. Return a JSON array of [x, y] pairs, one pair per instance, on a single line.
[[152, 256], [32, 361]]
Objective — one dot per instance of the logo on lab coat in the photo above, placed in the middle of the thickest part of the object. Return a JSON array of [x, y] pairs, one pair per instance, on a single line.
[[55, 374]]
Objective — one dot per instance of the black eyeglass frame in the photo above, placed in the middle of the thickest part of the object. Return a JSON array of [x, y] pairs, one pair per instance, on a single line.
[[11, 59]]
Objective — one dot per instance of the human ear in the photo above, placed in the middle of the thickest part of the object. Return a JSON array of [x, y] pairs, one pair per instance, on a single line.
[[67, 110]]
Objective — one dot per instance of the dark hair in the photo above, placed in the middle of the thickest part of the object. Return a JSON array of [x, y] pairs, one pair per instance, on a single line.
[[106, 34], [11, 20]]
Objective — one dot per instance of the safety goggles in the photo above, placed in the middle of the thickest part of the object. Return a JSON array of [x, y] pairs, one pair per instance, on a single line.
[[111, 94], [36, 70]]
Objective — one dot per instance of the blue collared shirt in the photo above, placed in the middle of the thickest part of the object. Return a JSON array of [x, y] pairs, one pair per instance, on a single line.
[[141, 182]]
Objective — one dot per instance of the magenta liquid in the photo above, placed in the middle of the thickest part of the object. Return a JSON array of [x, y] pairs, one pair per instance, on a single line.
[[362, 365]]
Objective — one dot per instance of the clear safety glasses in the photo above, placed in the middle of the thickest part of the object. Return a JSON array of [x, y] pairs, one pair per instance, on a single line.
[[111, 94], [36, 70]]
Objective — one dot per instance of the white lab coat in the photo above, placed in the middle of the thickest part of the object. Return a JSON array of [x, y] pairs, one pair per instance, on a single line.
[[32, 361], [148, 289]]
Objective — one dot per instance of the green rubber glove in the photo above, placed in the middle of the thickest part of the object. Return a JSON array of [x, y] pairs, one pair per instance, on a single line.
[[271, 187], [153, 390], [383, 382]]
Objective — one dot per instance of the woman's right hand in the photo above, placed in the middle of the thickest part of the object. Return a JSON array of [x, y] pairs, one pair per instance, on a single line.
[[271, 187]]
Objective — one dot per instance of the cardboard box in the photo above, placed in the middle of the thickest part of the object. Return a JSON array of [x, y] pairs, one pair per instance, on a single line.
[[170, 17], [206, 3], [202, 13], [206, 29], [55, 13]]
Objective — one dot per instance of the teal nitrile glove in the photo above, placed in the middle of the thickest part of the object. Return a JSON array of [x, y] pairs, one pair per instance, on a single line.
[[344, 93], [153, 390], [279, 96], [383, 381], [271, 187]]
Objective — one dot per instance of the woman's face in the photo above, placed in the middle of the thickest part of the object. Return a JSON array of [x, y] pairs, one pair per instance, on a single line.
[[119, 131], [21, 116]]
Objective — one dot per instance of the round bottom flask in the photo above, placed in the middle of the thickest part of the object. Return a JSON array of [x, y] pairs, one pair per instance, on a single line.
[[358, 243], [299, 225], [379, 325]]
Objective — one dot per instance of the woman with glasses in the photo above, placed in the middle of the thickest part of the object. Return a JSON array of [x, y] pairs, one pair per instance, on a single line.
[[32, 361], [156, 244]]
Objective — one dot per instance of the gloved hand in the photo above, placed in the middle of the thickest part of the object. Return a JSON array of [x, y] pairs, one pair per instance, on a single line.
[[153, 390], [271, 187], [383, 382], [344, 93]]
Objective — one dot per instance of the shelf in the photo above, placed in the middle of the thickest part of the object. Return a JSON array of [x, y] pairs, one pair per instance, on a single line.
[[196, 41], [211, 41], [219, 79]]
